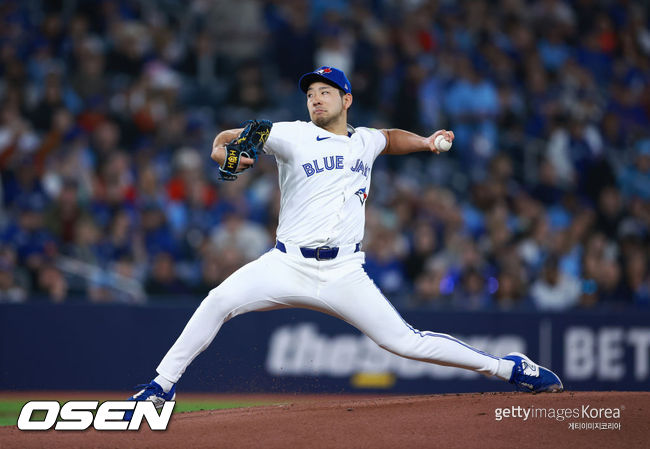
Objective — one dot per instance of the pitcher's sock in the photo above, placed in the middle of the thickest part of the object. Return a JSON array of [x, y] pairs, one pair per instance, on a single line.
[[164, 383], [504, 371]]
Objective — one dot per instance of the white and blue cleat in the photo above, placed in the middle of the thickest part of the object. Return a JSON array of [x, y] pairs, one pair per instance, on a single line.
[[531, 377], [151, 392]]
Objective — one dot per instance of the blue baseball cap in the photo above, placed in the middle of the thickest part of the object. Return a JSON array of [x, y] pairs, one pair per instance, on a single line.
[[329, 75]]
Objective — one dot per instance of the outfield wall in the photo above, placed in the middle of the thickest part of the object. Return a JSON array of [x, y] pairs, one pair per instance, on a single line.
[[113, 347]]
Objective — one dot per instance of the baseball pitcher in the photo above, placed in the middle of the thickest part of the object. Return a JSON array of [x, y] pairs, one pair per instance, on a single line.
[[324, 169]]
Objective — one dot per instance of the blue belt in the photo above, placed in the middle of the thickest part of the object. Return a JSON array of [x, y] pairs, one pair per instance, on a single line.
[[321, 253]]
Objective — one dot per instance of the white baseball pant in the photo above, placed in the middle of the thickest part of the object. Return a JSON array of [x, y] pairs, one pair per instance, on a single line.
[[338, 287]]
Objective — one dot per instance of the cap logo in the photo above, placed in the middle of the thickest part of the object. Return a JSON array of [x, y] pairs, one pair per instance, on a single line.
[[324, 70]]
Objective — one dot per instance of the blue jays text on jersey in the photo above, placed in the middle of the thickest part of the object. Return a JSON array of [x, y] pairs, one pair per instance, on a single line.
[[334, 163], [329, 163], [361, 167]]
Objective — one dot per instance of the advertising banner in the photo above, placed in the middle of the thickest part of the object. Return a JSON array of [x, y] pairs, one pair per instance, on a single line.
[[90, 347]]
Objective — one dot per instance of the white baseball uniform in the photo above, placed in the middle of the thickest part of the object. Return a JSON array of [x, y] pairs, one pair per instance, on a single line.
[[324, 182]]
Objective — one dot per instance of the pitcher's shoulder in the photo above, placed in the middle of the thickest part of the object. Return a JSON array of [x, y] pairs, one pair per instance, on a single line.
[[366, 130], [368, 134], [295, 126], [287, 130]]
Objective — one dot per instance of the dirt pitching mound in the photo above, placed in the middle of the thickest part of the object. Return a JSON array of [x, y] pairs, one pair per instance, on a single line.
[[446, 421]]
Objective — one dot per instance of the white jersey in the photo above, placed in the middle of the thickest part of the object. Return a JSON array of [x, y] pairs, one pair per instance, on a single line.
[[324, 182]]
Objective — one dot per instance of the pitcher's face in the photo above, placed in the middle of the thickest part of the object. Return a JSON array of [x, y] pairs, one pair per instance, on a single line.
[[325, 103]]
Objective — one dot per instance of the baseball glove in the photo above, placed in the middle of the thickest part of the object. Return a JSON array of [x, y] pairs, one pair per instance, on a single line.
[[248, 144]]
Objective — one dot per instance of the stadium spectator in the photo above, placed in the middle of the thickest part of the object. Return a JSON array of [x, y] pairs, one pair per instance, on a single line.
[[64, 212], [250, 238], [163, 280], [52, 284], [432, 287], [509, 293], [423, 244], [472, 291], [10, 290], [554, 290], [634, 179], [637, 277]]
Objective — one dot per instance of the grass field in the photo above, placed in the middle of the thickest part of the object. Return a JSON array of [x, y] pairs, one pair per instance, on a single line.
[[10, 409]]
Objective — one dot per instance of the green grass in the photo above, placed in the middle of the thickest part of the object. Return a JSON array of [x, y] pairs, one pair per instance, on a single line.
[[10, 409]]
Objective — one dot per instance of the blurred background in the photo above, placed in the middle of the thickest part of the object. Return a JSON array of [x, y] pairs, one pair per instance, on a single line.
[[531, 235], [108, 110]]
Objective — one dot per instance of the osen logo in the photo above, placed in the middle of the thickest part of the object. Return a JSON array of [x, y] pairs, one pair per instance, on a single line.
[[78, 415]]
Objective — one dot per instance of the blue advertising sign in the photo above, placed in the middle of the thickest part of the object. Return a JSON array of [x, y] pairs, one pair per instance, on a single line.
[[113, 347]]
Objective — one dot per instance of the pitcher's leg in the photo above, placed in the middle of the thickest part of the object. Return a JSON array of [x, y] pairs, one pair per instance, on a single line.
[[255, 286], [358, 301], [217, 308]]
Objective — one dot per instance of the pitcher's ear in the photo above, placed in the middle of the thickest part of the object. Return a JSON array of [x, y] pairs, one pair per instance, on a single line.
[[347, 101]]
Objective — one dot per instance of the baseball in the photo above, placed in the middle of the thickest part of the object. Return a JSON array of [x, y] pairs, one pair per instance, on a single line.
[[441, 143]]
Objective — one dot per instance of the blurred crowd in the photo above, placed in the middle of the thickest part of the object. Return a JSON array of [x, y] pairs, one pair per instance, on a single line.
[[108, 109]]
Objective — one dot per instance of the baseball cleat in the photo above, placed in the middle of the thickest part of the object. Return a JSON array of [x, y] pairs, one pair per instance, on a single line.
[[531, 377], [151, 392]]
